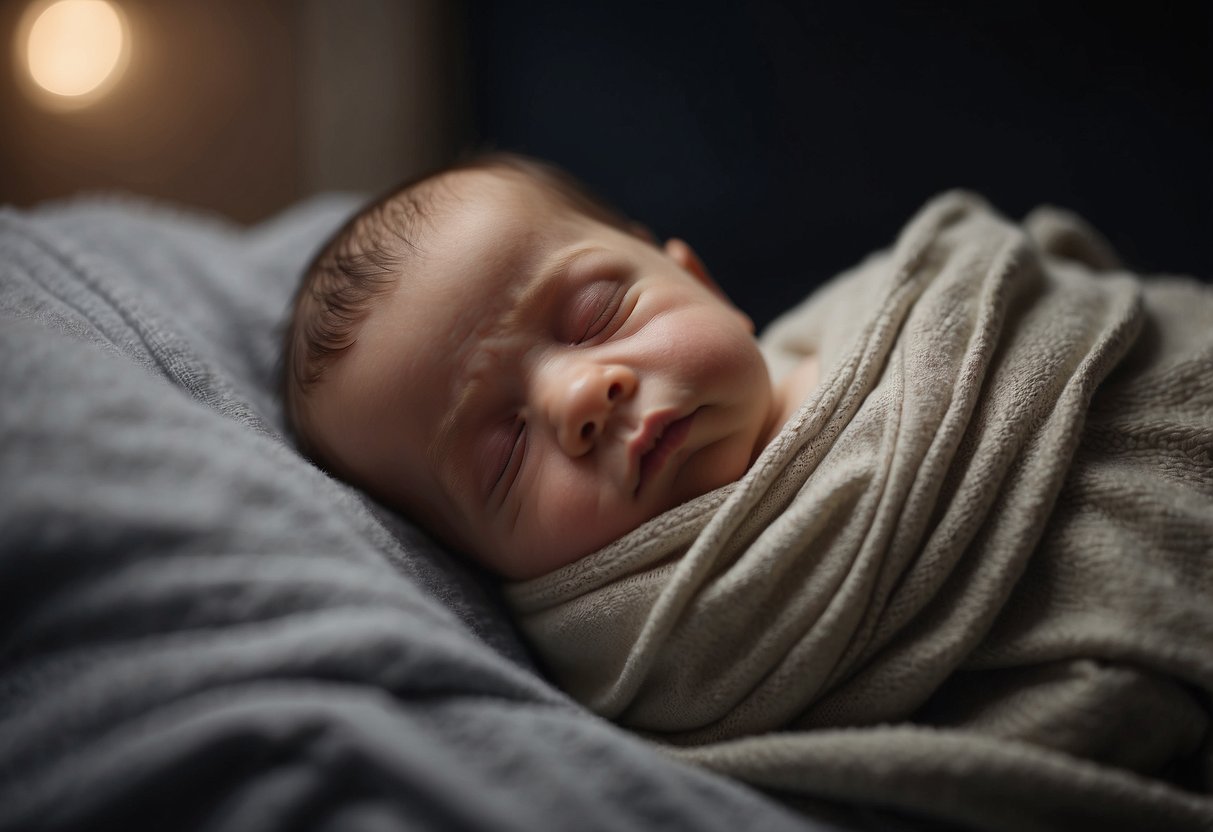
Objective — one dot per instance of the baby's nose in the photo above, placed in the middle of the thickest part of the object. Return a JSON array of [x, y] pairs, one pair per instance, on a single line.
[[584, 401]]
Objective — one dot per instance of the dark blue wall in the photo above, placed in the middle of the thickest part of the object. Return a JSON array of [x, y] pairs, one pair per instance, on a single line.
[[786, 140]]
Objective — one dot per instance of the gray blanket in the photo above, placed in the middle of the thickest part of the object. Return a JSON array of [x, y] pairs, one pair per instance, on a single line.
[[973, 576], [200, 630]]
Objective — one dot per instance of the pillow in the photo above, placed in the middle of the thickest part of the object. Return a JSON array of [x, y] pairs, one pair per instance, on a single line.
[[200, 628]]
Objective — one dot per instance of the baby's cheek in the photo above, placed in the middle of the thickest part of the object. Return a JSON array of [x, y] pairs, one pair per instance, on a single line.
[[711, 348], [572, 518]]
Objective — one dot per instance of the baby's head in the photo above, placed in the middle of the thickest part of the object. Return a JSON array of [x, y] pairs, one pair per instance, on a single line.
[[499, 355]]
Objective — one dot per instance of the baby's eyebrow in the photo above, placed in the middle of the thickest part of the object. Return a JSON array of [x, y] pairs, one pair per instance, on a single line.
[[533, 293]]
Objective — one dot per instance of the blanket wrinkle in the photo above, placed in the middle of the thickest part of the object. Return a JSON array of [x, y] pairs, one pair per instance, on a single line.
[[974, 570], [203, 631]]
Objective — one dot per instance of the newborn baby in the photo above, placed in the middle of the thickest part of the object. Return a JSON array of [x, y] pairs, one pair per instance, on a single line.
[[500, 355], [946, 583]]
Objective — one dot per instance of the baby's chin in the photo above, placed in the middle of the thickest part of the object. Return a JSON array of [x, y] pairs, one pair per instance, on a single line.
[[544, 560], [526, 559]]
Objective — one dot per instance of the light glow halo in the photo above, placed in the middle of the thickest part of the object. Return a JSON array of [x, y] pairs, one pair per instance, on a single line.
[[72, 51]]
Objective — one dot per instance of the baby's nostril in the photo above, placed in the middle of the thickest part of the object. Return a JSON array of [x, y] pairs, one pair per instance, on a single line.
[[614, 390], [587, 430]]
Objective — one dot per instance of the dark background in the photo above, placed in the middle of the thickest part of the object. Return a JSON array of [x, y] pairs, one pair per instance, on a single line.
[[783, 140], [786, 140]]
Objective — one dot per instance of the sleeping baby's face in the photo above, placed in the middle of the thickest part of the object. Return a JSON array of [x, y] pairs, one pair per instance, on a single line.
[[541, 383]]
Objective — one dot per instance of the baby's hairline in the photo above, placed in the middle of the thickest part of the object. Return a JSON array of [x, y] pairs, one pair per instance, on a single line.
[[363, 260]]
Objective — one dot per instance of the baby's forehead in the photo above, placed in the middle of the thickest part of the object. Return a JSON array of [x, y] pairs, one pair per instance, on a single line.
[[488, 234], [442, 216], [479, 253], [495, 184]]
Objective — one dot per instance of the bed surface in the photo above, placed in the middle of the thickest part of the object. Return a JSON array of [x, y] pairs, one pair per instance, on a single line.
[[202, 630]]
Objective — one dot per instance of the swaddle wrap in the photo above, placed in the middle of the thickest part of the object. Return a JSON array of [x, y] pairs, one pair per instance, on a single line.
[[971, 578]]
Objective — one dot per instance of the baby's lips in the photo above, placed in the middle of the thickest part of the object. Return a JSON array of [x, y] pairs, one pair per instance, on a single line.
[[649, 432], [662, 434]]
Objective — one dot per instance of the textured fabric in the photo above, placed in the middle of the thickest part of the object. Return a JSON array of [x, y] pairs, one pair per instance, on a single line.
[[199, 629], [972, 577]]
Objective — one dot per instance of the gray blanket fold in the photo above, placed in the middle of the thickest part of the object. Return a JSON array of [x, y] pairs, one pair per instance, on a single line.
[[971, 578], [199, 630]]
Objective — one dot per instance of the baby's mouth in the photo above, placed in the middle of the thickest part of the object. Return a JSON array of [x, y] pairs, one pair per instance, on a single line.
[[660, 437]]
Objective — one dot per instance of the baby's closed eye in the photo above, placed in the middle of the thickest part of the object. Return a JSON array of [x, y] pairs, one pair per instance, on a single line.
[[505, 456], [594, 310]]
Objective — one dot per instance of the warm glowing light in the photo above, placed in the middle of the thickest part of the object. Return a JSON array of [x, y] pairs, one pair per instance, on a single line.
[[74, 49]]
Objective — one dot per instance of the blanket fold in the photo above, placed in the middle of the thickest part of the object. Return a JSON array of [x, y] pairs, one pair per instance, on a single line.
[[986, 535], [199, 630]]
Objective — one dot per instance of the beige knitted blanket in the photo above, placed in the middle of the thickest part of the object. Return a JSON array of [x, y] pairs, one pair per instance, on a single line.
[[972, 579]]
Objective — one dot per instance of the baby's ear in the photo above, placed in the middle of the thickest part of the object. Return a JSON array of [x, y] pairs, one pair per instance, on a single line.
[[681, 253]]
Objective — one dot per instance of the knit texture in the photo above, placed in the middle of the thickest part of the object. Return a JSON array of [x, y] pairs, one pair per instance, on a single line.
[[201, 631], [971, 578]]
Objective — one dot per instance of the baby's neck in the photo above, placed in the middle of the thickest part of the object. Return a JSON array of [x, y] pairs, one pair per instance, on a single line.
[[790, 393]]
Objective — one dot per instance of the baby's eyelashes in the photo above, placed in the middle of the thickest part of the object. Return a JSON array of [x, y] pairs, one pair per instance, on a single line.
[[505, 456], [594, 310]]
